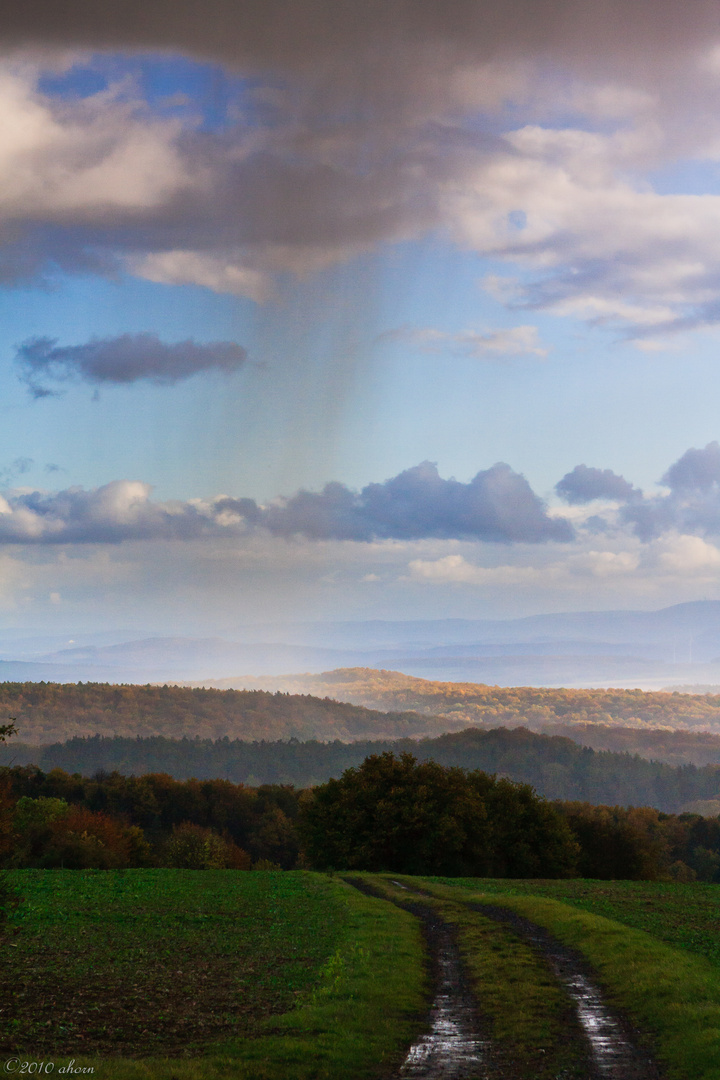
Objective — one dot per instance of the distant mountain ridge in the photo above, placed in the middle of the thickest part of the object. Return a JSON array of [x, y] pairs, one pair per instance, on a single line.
[[345, 705], [482, 704], [650, 649]]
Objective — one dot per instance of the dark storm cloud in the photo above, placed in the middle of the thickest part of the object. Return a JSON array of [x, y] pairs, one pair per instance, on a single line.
[[584, 484], [299, 199], [349, 133], [128, 358], [314, 35], [497, 505]]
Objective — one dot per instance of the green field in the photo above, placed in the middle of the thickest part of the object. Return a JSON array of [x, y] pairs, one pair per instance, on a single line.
[[274, 975], [264, 974]]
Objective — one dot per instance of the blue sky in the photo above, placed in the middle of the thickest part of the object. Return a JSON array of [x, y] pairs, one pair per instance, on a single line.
[[242, 261]]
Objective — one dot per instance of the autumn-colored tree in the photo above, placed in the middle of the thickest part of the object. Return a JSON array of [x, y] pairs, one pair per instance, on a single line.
[[84, 839]]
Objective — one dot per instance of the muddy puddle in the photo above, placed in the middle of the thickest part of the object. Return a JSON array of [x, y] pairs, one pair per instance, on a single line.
[[453, 1048], [614, 1048]]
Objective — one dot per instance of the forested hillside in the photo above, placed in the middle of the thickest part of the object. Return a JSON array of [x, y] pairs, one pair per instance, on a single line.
[[50, 712], [676, 747], [675, 728], [490, 706], [556, 767]]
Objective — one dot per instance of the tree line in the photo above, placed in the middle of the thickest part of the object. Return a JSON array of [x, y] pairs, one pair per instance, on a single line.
[[391, 812], [556, 766]]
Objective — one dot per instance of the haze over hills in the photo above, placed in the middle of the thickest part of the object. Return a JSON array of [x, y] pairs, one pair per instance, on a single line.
[[676, 645], [557, 709]]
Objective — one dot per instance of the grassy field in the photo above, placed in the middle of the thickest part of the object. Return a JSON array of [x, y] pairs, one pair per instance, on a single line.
[[264, 974], [685, 916]]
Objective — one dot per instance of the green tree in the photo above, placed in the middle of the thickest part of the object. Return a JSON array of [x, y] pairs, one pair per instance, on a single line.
[[393, 813]]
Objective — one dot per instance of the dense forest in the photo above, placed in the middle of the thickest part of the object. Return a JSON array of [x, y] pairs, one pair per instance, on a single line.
[[48, 712], [555, 766], [450, 819], [481, 705], [662, 726], [679, 747]]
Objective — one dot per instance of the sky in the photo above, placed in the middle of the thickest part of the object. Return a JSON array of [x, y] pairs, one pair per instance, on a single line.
[[319, 310]]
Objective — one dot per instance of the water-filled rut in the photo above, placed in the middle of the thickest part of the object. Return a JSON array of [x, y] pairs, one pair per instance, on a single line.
[[615, 1052], [453, 1046]]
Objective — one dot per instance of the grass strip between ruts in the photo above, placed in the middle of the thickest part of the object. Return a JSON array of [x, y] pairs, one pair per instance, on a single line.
[[355, 1023], [530, 1020], [672, 996]]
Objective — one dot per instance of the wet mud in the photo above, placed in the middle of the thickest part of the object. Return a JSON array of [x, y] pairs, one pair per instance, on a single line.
[[454, 1046], [616, 1053]]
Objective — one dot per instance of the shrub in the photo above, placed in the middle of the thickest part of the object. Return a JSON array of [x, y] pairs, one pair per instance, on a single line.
[[192, 847]]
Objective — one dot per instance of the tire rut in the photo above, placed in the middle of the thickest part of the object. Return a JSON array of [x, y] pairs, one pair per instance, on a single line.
[[454, 1045], [615, 1047]]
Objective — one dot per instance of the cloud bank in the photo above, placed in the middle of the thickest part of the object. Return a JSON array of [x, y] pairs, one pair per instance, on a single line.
[[412, 535], [692, 505], [498, 505], [128, 358]]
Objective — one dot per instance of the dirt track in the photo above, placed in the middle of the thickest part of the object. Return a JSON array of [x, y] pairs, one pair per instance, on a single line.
[[455, 1044]]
